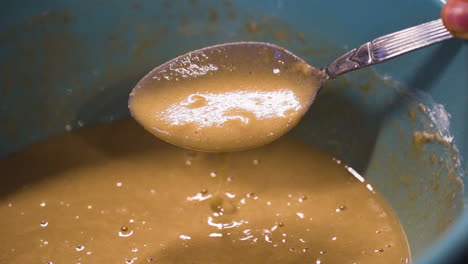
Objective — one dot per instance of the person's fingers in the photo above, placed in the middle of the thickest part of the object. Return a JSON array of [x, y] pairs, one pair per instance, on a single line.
[[455, 17]]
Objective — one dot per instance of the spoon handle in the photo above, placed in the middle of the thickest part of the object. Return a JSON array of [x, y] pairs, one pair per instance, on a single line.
[[388, 47]]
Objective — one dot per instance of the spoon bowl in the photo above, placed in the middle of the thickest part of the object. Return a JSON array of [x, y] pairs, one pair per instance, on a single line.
[[227, 97]]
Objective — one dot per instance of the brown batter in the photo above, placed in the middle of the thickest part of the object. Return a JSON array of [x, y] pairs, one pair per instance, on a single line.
[[228, 98], [114, 194]]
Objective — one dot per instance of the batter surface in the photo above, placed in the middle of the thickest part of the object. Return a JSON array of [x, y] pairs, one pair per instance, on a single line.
[[115, 194], [227, 98]]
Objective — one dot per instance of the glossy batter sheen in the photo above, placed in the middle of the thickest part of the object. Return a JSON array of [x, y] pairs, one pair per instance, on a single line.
[[226, 98], [115, 194]]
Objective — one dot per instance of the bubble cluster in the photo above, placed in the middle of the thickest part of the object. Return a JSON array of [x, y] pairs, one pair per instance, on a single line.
[[340, 208]]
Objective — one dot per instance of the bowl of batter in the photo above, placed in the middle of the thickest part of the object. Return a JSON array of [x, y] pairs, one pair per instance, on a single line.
[[372, 174]]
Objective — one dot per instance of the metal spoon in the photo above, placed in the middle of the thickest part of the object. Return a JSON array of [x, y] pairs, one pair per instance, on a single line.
[[237, 96]]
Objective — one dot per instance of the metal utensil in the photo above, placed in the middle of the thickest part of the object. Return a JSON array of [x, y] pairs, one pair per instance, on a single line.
[[229, 59], [388, 47]]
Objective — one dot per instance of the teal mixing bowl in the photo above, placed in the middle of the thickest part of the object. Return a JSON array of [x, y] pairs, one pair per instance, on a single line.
[[402, 125]]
